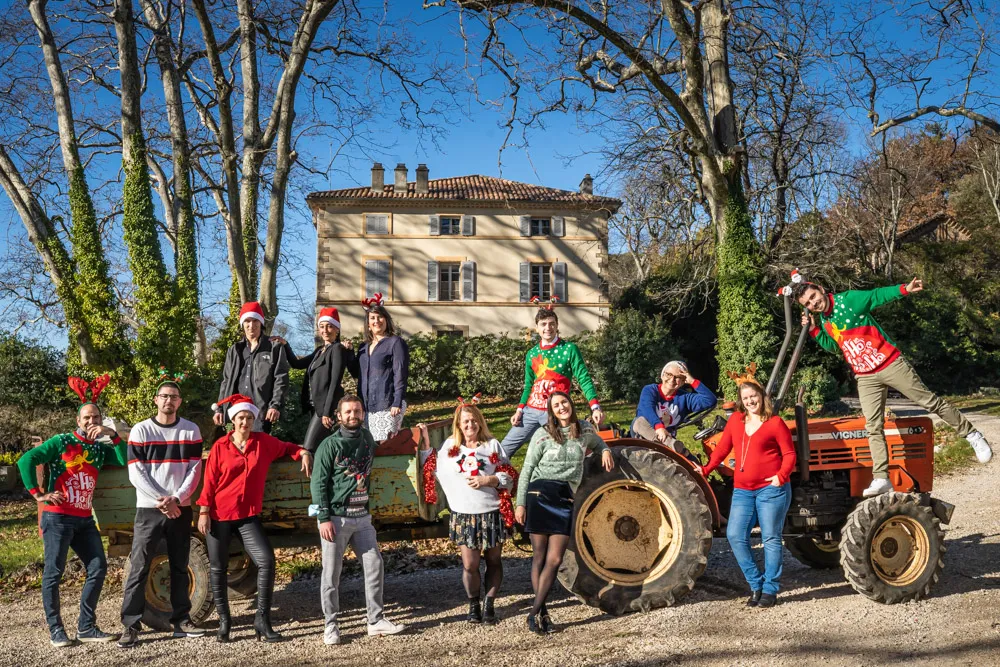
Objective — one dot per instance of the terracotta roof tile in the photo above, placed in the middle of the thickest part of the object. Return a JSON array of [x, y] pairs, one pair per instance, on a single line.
[[471, 188]]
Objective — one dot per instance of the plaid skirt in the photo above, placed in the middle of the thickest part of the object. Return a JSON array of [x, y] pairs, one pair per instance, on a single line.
[[478, 531]]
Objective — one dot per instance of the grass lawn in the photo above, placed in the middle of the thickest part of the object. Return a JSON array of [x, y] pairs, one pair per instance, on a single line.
[[989, 405], [20, 544]]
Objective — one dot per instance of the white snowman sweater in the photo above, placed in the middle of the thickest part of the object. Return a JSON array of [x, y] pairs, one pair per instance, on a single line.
[[453, 473]]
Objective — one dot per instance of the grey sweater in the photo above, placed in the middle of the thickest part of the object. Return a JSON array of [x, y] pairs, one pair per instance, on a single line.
[[547, 459]]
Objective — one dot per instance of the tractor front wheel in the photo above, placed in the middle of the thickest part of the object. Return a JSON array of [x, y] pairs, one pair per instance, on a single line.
[[641, 533], [892, 548]]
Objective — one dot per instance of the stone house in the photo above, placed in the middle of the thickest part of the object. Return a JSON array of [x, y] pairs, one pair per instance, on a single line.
[[462, 255]]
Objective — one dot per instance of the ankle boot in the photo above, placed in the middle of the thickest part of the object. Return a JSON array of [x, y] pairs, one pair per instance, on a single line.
[[489, 615], [220, 593], [262, 621], [475, 613]]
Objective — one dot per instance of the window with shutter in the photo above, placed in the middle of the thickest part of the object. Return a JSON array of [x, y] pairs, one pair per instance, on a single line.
[[468, 281], [376, 223], [541, 281], [541, 226], [449, 281], [432, 281], [435, 225], [559, 281], [468, 225], [524, 278], [377, 277], [451, 225], [525, 225], [558, 225]]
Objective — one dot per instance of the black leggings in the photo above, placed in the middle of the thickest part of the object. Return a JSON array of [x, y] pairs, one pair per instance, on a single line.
[[257, 546], [316, 433]]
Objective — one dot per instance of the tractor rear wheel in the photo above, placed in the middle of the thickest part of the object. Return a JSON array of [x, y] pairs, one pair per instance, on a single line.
[[814, 551], [641, 533], [892, 548]]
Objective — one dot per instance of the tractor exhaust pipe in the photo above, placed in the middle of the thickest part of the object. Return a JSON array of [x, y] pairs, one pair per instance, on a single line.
[[802, 436], [769, 391], [792, 364]]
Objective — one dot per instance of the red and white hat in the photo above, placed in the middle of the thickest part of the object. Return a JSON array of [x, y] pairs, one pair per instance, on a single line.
[[251, 309], [329, 315], [238, 403]]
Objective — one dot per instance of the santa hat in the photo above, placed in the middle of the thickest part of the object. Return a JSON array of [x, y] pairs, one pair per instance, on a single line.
[[251, 309], [238, 403], [329, 315], [796, 277]]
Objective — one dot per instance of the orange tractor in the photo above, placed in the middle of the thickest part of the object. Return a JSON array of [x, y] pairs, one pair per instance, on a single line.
[[643, 531]]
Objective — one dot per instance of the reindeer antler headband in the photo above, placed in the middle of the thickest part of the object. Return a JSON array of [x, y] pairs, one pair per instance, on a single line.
[[371, 303], [164, 376], [80, 387], [472, 401], [745, 378], [547, 306]]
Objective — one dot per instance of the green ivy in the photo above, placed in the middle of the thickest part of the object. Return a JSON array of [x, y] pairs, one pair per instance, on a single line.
[[188, 309], [94, 294], [745, 325]]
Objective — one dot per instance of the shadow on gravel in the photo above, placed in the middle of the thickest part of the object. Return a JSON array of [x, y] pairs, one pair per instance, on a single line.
[[967, 563], [837, 651]]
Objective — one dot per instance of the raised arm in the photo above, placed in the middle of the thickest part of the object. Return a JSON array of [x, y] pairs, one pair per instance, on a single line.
[[701, 398], [298, 363], [883, 295]]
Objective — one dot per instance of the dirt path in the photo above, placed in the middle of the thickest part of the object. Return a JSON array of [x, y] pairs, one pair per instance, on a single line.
[[820, 620]]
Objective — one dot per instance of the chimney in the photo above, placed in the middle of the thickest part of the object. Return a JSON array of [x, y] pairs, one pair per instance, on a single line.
[[400, 179], [587, 185], [422, 175], [378, 177]]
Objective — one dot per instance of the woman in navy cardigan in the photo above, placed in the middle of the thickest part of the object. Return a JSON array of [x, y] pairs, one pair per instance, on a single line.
[[384, 362]]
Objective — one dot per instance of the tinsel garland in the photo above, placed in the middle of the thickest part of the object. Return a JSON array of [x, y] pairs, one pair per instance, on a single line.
[[430, 488]]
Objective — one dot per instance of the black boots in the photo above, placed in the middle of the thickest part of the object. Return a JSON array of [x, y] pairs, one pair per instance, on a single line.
[[475, 613], [220, 593], [754, 599], [262, 621], [533, 625], [767, 600], [489, 615]]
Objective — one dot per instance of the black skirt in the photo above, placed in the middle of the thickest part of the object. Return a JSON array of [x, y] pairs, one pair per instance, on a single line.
[[549, 507]]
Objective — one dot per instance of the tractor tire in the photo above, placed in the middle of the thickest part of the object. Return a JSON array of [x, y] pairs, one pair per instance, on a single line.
[[158, 609], [892, 548], [641, 533], [242, 579], [814, 552]]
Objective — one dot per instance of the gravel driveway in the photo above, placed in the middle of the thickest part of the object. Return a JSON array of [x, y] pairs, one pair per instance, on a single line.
[[820, 619]]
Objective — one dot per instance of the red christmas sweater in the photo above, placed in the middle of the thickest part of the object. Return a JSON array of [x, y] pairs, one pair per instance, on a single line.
[[847, 326], [766, 453]]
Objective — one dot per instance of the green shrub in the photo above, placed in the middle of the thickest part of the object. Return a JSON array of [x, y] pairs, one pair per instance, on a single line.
[[491, 365], [32, 375], [820, 387], [432, 364], [627, 352]]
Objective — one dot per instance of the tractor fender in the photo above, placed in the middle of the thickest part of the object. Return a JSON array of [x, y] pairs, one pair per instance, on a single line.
[[699, 479], [942, 510]]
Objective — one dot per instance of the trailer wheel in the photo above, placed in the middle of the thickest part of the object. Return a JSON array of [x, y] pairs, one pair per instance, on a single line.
[[641, 533], [814, 551], [242, 579], [158, 609], [892, 548]]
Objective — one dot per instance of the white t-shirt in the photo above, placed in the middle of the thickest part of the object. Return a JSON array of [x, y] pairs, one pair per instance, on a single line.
[[453, 473]]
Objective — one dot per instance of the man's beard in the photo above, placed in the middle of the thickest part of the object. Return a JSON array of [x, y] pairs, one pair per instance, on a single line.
[[351, 424]]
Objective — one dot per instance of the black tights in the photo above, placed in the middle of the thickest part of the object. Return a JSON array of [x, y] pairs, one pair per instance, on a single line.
[[470, 571], [547, 556], [257, 546]]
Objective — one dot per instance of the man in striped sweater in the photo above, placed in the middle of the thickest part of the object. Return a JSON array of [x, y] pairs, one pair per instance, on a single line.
[[164, 466]]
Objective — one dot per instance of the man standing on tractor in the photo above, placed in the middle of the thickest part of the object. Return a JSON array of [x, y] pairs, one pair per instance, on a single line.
[[844, 323], [550, 366], [662, 406], [74, 460], [257, 368], [164, 466]]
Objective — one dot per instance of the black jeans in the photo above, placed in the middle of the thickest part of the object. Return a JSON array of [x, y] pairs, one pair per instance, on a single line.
[[152, 525], [257, 546], [60, 532]]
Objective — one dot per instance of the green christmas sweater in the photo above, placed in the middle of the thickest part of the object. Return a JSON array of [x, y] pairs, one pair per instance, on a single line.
[[73, 464], [549, 368], [340, 474], [847, 326]]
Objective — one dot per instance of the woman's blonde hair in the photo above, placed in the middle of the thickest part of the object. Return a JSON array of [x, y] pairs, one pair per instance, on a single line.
[[766, 406], [456, 425]]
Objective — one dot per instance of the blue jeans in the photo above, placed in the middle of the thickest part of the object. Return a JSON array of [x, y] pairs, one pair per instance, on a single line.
[[532, 419], [767, 507], [60, 533]]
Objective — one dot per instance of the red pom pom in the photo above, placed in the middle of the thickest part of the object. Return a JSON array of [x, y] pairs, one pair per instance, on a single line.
[[454, 451]]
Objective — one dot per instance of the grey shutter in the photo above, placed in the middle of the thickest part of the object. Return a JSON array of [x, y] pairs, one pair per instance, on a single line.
[[558, 225], [468, 281], [525, 279], [432, 281], [559, 280], [371, 277], [468, 225], [435, 225], [525, 225]]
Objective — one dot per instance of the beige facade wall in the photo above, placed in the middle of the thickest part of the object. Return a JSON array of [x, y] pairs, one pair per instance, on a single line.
[[497, 248]]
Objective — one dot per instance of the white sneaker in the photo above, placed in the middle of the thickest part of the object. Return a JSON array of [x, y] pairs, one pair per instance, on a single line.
[[385, 627], [331, 635], [877, 488], [978, 441]]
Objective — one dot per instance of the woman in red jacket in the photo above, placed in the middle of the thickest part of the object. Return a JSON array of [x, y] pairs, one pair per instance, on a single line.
[[763, 459], [231, 500]]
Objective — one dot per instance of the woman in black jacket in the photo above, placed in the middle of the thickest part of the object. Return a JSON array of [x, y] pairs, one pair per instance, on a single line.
[[324, 372]]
